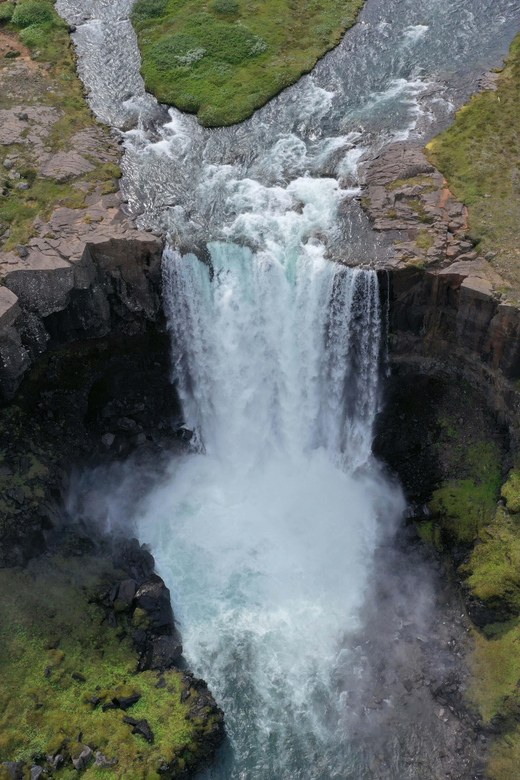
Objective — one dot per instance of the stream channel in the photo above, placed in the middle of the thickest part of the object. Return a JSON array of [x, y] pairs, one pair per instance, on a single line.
[[270, 533]]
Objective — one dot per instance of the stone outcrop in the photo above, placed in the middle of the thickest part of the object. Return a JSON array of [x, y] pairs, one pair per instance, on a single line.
[[86, 273], [449, 311]]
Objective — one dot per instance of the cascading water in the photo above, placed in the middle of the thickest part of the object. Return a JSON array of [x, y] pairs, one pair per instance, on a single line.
[[268, 535]]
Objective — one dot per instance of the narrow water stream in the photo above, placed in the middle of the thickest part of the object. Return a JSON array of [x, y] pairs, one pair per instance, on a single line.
[[267, 533]]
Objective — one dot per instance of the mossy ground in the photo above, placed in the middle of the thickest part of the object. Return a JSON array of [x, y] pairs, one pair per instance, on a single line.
[[465, 505], [51, 626], [480, 157], [491, 572], [496, 694], [224, 59], [35, 28]]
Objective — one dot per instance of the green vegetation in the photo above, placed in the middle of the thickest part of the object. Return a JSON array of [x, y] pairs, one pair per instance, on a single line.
[[480, 157], [494, 566], [511, 491], [52, 626], [225, 59], [464, 506], [424, 240], [495, 692], [36, 25], [423, 180], [6, 11], [492, 573]]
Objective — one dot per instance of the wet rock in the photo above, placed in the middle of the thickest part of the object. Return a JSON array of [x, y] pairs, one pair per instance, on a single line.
[[55, 761], [15, 769], [125, 702], [127, 425], [107, 440], [84, 757], [399, 161], [154, 597], [103, 762], [36, 772], [140, 727], [17, 494], [166, 651], [127, 590]]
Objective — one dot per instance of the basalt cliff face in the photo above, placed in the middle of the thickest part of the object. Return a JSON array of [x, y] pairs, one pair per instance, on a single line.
[[449, 312], [88, 273]]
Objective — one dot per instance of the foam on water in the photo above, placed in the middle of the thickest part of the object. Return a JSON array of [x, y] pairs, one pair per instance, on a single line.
[[267, 536]]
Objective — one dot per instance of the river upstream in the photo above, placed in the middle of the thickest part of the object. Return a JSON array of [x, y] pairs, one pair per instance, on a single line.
[[267, 534]]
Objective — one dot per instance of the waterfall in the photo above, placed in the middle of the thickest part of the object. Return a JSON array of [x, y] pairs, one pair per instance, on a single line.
[[272, 356], [266, 532]]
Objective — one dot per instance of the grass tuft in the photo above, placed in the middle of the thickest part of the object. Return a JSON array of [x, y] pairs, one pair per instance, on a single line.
[[480, 157], [224, 59], [53, 627]]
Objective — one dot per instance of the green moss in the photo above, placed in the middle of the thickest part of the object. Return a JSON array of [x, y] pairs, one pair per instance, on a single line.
[[493, 571], [422, 180], [496, 671], [44, 710], [495, 693], [511, 491], [20, 208], [505, 757], [424, 240], [32, 12], [464, 506], [429, 532], [480, 157], [418, 206], [225, 59]]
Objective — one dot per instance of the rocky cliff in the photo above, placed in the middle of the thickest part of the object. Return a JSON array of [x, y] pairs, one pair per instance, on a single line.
[[450, 312]]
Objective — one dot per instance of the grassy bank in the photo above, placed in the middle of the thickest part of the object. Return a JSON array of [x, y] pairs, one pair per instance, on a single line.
[[39, 71], [225, 58], [62, 660], [475, 515], [493, 575], [480, 157]]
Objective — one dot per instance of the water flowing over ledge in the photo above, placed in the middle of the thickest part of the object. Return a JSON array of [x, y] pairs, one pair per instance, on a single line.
[[268, 535]]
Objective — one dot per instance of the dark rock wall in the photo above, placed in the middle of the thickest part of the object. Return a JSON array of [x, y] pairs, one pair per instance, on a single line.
[[445, 323], [114, 286]]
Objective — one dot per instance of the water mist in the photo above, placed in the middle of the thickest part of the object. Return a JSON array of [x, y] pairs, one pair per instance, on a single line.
[[266, 533]]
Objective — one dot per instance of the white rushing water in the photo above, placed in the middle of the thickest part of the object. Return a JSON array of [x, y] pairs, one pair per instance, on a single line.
[[267, 535]]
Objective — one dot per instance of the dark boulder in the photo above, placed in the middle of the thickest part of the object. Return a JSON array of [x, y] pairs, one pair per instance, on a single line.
[[141, 727], [154, 597]]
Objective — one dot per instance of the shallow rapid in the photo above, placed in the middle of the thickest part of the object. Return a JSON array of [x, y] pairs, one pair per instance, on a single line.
[[267, 532]]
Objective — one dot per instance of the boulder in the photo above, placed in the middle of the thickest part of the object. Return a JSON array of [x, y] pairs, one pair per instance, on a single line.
[[84, 757]]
